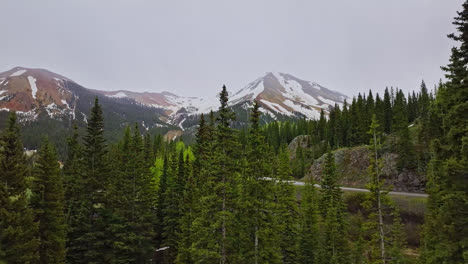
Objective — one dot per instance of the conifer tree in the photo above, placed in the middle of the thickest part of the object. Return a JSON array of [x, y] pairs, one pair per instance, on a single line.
[[375, 186], [322, 126], [148, 151], [288, 212], [161, 202], [93, 236], [18, 231], [404, 148], [172, 202], [397, 240], [206, 247], [446, 222], [158, 145], [309, 235], [345, 125], [225, 170], [189, 209], [49, 205], [76, 211], [379, 111], [387, 114], [141, 219], [334, 246], [256, 206], [298, 164], [423, 100]]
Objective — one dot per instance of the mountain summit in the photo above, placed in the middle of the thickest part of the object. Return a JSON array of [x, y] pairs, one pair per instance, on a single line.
[[284, 94], [32, 91]]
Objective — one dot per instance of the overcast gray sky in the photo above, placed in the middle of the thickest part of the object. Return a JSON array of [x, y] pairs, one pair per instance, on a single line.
[[193, 47]]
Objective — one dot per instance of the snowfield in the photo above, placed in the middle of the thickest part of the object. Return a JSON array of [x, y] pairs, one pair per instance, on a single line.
[[18, 73], [32, 83]]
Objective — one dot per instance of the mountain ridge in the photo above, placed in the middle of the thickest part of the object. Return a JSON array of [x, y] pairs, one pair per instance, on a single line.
[[32, 92]]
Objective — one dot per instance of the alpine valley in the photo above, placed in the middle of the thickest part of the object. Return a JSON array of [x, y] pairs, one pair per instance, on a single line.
[[51, 103]]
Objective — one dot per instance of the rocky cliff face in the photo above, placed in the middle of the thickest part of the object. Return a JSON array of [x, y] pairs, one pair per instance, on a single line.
[[352, 164], [302, 141]]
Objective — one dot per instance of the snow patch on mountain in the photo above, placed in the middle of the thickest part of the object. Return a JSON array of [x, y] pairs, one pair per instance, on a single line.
[[32, 83], [250, 92], [119, 95], [294, 91], [276, 107], [27, 116], [192, 105], [327, 101], [306, 110], [181, 122], [18, 72]]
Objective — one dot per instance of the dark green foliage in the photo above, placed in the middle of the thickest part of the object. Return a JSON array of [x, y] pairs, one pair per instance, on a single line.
[[387, 112], [18, 231], [334, 244], [94, 214], [188, 209], [256, 208], [160, 213], [446, 226], [175, 184], [287, 210], [225, 169], [309, 232], [75, 203], [404, 148], [48, 204]]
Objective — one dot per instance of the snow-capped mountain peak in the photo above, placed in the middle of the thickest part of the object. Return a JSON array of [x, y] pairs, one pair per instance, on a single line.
[[283, 94]]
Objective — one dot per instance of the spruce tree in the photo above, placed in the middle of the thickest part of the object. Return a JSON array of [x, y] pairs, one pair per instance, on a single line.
[[376, 199], [446, 224], [345, 125], [397, 240], [49, 205], [205, 247], [387, 114], [18, 231], [256, 212], [226, 145], [161, 202], [404, 148], [189, 209], [334, 243], [97, 247], [172, 202], [309, 232], [287, 210], [76, 211]]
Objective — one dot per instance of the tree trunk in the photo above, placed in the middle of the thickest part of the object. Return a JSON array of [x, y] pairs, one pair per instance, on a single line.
[[379, 204]]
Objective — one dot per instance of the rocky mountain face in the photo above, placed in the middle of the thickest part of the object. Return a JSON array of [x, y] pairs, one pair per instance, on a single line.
[[31, 92], [174, 108], [48, 104]]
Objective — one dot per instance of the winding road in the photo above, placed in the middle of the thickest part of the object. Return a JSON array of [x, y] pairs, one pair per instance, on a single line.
[[349, 189]]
